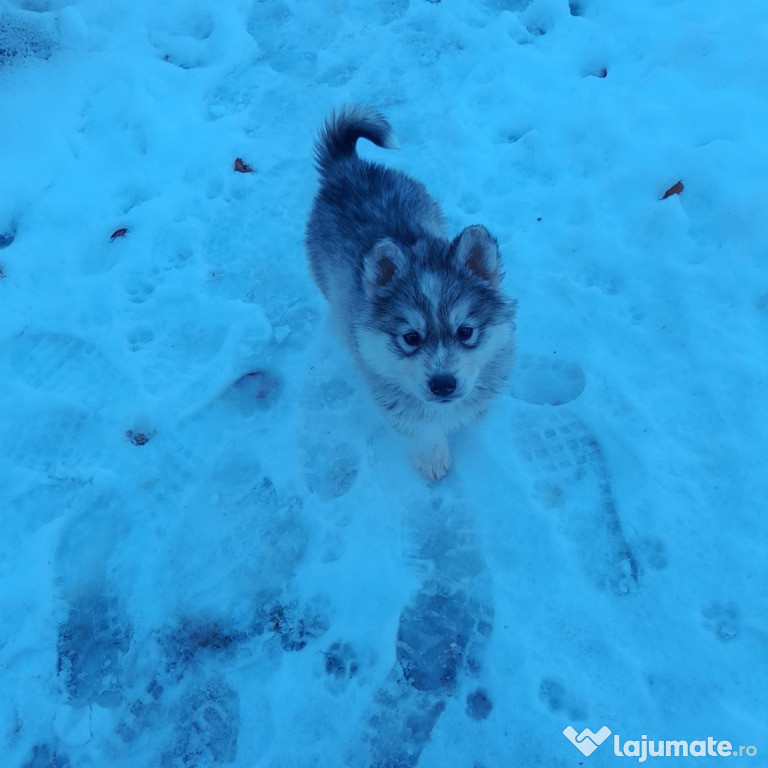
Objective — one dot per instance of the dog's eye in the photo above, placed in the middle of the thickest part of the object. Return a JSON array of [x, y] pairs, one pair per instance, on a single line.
[[464, 333], [412, 338]]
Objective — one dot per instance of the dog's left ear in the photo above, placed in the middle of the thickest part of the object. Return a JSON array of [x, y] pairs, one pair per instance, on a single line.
[[381, 264], [478, 250]]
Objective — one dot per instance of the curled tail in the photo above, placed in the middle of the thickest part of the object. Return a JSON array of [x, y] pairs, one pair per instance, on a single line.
[[344, 127]]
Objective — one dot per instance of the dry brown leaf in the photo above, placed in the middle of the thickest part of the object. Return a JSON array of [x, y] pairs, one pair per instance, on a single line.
[[675, 189], [241, 166]]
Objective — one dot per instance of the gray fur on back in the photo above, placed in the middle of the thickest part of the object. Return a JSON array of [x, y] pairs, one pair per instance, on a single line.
[[360, 203]]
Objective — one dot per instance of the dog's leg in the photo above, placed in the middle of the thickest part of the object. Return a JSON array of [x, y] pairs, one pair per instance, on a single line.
[[431, 454]]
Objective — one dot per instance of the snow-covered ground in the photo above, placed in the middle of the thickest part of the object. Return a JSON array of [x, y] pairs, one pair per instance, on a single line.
[[213, 550]]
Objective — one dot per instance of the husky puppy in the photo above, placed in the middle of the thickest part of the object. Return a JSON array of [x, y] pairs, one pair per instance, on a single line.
[[423, 315]]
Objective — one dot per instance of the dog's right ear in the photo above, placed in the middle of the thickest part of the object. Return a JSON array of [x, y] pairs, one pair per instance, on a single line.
[[478, 250], [381, 264]]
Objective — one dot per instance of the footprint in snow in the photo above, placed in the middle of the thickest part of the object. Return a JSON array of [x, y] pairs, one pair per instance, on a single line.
[[331, 438], [568, 475], [185, 689], [193, 640], [59, 438], [185, 39], [92, 641], [97, 632], [568, 472], [441, 640], [34, 507], [285, 45], [64, 365], [208, 726], [61, 368]]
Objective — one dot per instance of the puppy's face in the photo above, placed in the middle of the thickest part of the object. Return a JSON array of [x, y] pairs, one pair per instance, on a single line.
[[437, 318]]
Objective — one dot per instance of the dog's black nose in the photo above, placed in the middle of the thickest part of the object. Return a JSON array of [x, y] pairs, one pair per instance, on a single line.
[[442, 385]]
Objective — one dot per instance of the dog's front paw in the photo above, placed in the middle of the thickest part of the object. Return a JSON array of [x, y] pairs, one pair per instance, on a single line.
[[434, 461]]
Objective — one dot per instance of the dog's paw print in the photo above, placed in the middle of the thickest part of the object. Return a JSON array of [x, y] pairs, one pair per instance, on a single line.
[[330, 395], [479, 704], [722, 619], [139, 339], [654, 551], [341, 661], [341, 665], [330, 471], [339, 74], [557, 700], [292, 627], [139, 287]]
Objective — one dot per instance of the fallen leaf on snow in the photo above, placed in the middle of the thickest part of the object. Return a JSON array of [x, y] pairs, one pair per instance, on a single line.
[[675, 189]]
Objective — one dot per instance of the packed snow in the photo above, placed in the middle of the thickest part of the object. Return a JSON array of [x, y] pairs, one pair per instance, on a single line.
[[214, 552]]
